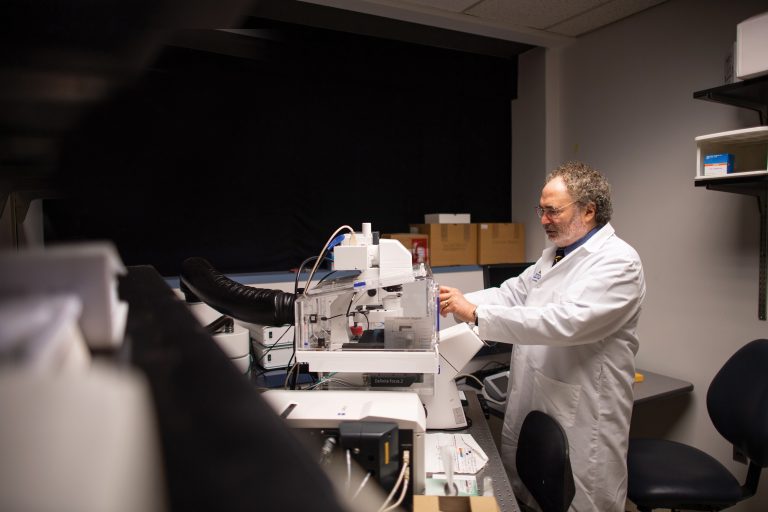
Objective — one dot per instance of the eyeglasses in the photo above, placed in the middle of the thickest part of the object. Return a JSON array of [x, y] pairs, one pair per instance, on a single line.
[[552, 212]]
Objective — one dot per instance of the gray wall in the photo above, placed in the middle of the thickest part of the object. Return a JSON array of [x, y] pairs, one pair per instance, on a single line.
[[529, 148], [621, 99]]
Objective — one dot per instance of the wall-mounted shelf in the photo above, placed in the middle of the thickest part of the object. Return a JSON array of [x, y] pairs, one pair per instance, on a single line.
[[749, 146], [748, 177], [750, 168], [751, 94]]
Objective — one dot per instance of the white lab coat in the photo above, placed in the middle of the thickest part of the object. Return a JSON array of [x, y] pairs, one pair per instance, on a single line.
[[574, 329]]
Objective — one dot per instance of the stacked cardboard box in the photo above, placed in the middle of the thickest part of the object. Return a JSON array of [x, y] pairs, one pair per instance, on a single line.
[[453, 240], [469, 244], [450, 244], [500, 243]]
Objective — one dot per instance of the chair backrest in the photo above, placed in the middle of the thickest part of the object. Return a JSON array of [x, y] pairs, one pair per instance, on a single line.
[[543, 462], [737, 401]]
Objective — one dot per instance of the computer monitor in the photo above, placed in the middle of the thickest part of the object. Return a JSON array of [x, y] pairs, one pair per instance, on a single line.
[[494, 275]]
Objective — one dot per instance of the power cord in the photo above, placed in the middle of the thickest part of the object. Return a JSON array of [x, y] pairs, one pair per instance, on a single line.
[[360, 487], [401, 479], [469, 376]]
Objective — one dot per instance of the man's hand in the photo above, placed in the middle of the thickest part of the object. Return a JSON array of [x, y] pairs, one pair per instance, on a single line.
[[453, 301]]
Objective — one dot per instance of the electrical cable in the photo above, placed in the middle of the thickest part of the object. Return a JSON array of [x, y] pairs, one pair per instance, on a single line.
[[295, 377], [298, 273], [293, 348], [288, 375], [322, 254], [325, 276], [497, 363], [360, 487], [470, 376], [321, 381], [403, 491], [349, 470], [400, 477], [337, 381], [352, 301], [367, 321]]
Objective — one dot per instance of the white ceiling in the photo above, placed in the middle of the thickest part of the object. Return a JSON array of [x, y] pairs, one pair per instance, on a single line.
[[562, 17], [538, 22]]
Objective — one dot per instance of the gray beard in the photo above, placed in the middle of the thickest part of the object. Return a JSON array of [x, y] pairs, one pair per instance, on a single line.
[[570, 233]]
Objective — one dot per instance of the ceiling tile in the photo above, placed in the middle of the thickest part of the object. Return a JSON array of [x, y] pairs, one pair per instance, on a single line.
[[537, 22], [601, 16], [532, 13], [445, 5]]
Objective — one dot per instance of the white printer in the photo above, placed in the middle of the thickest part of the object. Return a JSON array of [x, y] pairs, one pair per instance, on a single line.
[[752, 46]]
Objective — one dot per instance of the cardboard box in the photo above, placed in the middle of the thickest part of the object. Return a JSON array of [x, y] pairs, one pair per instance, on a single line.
[[718, 165], [417, 243], [447, 218], [454, 504], [450, 244], [500, 243]]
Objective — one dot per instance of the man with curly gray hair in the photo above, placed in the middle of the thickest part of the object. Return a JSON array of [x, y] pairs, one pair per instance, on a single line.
[[572, 317]]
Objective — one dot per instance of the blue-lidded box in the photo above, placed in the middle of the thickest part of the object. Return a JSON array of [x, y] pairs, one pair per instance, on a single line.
[[718, 165]]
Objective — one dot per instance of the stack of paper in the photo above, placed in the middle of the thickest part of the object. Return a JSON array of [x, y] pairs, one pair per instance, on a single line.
[[468, 457]]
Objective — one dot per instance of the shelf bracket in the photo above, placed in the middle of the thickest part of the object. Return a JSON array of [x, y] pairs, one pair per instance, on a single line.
[[759, 107], [762, 205], [761, 194]]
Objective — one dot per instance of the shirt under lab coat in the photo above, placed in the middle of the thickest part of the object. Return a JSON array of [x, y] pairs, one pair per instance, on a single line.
[[574, 330]]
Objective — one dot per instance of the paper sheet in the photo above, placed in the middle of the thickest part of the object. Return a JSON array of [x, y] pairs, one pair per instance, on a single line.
[[468, 457]]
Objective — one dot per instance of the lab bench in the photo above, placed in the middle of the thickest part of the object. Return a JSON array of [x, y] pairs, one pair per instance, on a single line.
[[481, 432]]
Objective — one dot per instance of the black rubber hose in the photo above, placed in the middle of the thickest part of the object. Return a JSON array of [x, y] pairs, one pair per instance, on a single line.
[[255, 305]]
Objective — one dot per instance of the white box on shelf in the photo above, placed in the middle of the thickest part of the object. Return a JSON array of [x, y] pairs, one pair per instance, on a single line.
[[751, 44], [447, 218], [749, 147]]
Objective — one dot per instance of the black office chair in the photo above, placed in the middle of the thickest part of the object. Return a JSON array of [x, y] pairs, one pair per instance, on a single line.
[[666, 474], [543, 462]]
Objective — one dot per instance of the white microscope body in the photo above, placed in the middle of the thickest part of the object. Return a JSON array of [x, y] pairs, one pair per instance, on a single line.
[[378, 328]]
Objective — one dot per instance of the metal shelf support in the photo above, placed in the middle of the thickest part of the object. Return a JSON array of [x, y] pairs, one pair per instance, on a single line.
[[761, 194], [751, 94], [762, 205], [756, 106]]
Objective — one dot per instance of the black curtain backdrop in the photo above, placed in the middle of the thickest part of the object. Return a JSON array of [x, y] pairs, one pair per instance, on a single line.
[[253, 162]]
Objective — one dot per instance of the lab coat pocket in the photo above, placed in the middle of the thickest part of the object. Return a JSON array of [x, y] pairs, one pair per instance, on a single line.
[[558, 399]]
